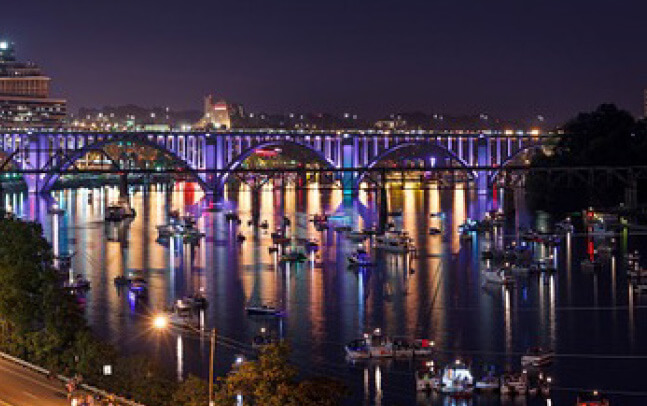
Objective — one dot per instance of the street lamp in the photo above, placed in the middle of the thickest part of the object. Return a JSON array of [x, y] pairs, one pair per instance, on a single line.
[[162, 322]]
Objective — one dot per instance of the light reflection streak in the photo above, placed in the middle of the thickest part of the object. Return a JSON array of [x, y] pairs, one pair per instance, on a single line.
[[180, 357]]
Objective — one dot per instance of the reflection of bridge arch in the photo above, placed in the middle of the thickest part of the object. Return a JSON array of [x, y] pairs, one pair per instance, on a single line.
[[426, 145], [240, 158], [58, 164], [531, 149]]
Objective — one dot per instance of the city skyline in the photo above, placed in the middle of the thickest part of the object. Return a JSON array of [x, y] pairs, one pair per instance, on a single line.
[[370, 60]]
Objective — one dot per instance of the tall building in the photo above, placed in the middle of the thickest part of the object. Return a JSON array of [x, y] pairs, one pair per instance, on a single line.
[[24, 94], [220, 115]]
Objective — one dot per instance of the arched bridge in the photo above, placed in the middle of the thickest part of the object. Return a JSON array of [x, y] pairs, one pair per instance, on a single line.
[[212, 156]]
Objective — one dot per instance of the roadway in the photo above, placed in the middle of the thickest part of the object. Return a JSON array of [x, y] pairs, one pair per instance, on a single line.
[[22, 387]]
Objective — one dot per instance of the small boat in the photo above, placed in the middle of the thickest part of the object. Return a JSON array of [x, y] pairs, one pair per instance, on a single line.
[[590, 265], [120, 280], [190, 303], [139, 286], [427, 379], [360, 258], [519, 269], [639, 286], [376, 345], [294, 256], [358, 349], [514, 384], [231, 216], [489, 382], [593, 398], [394, 241], [311, 246], [264, 310], [79, 283], [342, 229], [497, 276], [541, 266], [457, 379], [55, 210], [356, 236], [434, 231], [537, 357], [263, 339]]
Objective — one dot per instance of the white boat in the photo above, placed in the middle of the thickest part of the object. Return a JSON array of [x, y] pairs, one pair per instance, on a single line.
[[489, 382], [457, 379], [516, 384], [394, 241], [497, 276], [536, 357]]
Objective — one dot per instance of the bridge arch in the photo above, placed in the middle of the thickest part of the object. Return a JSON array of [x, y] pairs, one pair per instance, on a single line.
[[531, 149], [240, 158], [428, 145], [73, 156]]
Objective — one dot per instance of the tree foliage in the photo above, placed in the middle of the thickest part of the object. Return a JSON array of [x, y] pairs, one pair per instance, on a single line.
[[606, 136], [271, 381]]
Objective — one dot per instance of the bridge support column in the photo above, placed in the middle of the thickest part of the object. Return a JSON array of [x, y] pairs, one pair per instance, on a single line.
[[36, 157], [347, 160], [484, 160], [214, 163]]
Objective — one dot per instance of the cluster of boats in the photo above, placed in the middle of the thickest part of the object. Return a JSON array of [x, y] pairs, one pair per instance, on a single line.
[[456, 379], [180, 226], [636, 273], [377, 345], [116, 212]]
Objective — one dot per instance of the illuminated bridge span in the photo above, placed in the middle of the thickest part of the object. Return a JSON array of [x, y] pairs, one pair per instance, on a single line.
[[222, 153]]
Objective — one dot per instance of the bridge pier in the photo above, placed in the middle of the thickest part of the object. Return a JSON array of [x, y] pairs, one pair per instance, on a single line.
[[348, 179], [484, 159]]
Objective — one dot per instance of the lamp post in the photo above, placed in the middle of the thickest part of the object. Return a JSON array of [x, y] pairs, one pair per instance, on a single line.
[[161, 322]]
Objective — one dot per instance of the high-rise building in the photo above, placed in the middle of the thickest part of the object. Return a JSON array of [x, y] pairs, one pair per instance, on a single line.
[[24, 94], [220, 115]]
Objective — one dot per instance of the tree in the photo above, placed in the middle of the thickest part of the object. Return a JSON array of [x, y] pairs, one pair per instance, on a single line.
[[193, 391], [606, 136], [270, 381]]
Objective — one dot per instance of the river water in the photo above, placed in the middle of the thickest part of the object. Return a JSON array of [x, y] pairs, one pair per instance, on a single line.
[[438, 293]]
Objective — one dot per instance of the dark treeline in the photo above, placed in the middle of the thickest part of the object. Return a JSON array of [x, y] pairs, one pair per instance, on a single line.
[[607, 136]]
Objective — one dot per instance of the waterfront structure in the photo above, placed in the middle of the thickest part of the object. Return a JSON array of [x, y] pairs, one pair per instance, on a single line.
[[219, 115], [25, 101], [212, 157]]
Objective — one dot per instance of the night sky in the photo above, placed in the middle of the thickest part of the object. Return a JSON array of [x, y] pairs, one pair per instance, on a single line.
[[512, 59]]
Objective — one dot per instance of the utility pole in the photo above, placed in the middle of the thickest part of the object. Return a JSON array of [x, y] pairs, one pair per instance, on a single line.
[[211, 362]]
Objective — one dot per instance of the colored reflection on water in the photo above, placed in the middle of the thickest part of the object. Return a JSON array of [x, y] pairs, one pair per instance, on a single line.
[[435, 293]]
